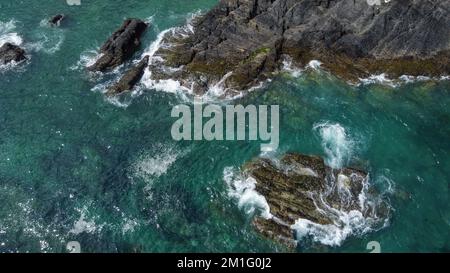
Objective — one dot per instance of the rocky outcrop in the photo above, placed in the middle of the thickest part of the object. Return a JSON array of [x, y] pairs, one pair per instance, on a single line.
[[353, 40], [11, 53], [56, 20], [121, 45], [303, 187], [130, 78]]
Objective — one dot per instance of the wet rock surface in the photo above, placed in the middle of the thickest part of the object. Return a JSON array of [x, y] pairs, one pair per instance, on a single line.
[[130, 78], [251, 38], [303, 187], [11, 53], [121, 45], [56, 20]]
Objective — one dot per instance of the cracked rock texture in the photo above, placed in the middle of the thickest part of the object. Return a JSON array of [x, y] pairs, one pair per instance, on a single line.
[[353, 39], [303, 187]]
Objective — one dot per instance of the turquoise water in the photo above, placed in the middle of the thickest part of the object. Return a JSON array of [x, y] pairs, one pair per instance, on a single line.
[[77, 167]]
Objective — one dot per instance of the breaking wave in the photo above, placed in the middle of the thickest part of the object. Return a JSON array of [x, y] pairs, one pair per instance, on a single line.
[[370, 214], [355, 222], [242, 189], [336, 143], [8, 33], [289, 67], [184, 90], [383, 79], [165, 85]]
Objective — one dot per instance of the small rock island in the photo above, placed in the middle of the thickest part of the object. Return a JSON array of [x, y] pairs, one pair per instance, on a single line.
[[11, 53], [301, 190]]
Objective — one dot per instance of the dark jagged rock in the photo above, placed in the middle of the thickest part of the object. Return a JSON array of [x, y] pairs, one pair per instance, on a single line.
[[11, 53], [130, 79], [56, 20], [353, 40], [303, 187], [121, 45]]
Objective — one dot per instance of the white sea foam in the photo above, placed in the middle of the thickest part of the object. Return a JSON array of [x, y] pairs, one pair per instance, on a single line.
[[129, 225], [314, 64], [243, 190], [345, 223], [383, 79], [85, 223], [8, 33], [378, 79], [87, 58], [185, 90], [337, 144], [156, 162], [350, 223], [294, 71], [289, 67], [47, 39], [23, 218], [167, 85], [218, 90]]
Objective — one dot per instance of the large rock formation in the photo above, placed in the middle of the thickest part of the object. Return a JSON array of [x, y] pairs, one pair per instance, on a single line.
[[352, 38], [121, 45], [303, 187], [11, 53], [130, 78]]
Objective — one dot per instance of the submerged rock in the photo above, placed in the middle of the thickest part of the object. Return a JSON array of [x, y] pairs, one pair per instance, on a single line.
[[130, 79], [11, 53], [121, 45], [352, 38], [308, 198], [56, 20]]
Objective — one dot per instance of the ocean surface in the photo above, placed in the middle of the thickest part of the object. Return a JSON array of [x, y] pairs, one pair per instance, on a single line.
[[75, 166]]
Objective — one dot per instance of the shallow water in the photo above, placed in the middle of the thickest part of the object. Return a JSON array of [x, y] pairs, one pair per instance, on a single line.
[[75, 166]]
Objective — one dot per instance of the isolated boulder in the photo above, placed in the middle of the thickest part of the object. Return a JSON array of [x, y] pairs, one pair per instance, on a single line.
[[56, 20], [11, 53]]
